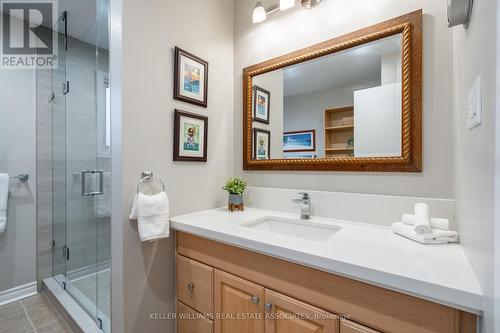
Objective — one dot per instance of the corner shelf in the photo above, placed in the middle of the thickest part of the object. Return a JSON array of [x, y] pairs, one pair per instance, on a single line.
[[336, 133]]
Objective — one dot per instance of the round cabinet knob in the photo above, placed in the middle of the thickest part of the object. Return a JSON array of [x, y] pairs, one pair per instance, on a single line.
[[190, 286], [268, 306], [255, 300]]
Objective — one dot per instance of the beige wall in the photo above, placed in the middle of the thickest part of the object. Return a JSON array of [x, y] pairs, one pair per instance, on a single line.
[[273, 82], [150, 31], [474, 150], [297, 28]]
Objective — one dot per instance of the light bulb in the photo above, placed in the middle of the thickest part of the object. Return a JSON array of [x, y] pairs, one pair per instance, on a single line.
[[286, 4], [259, 13]]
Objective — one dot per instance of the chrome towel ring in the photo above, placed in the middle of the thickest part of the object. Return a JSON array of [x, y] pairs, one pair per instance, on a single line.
[[147, 177]]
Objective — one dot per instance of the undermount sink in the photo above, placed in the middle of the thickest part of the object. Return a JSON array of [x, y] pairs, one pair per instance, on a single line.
[[304, 229]]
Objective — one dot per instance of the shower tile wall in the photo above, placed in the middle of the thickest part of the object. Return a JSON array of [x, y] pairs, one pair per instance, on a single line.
[[17, 155]]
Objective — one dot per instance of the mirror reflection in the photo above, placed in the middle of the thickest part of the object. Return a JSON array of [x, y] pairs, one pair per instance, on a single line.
[[344, 104]]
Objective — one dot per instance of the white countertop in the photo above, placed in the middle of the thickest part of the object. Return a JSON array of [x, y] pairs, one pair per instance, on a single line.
[[365, 252]]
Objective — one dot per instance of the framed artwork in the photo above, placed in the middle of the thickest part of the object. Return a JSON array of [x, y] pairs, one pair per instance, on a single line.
[[190, 78], [300, 156], [299, 141], [190, 137], [261, 104], [261, 144]]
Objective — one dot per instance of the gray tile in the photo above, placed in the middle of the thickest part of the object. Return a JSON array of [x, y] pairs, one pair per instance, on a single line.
[[10, 309], [56, 327], [37, 300], [42, 315], [17, 323]]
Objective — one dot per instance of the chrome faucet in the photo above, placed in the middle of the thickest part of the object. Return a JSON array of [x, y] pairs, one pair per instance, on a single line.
[[305, 205]]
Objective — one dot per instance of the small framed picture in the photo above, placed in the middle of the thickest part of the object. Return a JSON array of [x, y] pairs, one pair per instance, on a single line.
[[299, 141], [191, 78], [261, 104], [261, 144], [300, 156], [190, 137]]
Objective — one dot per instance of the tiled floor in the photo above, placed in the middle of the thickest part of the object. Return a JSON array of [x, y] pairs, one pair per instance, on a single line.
[[32, 315]]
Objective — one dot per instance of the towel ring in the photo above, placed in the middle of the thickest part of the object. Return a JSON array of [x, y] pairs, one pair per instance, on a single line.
[[147, 177]]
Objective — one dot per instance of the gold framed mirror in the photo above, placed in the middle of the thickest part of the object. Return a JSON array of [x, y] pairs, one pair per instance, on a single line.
[[352, 103]]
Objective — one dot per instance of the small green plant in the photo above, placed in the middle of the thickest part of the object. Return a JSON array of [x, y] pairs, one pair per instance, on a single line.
[[235, 185]]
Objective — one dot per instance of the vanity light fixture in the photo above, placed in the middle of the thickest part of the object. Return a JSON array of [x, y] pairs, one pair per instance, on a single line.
[[259, 13], [308, 4], [459, 12]]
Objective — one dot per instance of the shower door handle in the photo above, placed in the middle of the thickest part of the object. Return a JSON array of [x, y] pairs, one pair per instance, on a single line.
[[100, 191]]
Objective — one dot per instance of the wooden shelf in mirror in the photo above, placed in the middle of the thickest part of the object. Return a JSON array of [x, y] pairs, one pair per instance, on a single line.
[[339, 129], [338, 149]]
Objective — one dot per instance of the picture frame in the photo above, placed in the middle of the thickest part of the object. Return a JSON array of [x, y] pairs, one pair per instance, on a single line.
[[190, 136], [261, 144], [299, 141], [190, 78], [300, 156], [261, 104]]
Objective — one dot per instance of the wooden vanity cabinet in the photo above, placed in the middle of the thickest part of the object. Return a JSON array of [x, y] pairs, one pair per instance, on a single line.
[[347, 326], [288, 315], [195, 285], [190, 321], [238, 305], [248, 292]]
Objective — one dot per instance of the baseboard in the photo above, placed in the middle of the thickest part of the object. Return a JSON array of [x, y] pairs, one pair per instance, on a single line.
[[17, 293]]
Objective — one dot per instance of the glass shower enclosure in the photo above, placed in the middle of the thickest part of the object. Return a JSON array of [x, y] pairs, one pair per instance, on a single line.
[[80, 146]]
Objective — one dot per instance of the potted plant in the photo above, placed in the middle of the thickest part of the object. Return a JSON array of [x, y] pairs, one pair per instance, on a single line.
[[235, 187]]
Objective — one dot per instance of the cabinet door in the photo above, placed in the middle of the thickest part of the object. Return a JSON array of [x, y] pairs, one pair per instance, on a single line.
[[190, 321], [288, 315], [347, 326], [238, 305]]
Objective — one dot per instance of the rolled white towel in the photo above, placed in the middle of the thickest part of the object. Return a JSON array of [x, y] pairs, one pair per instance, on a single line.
[[433, 237], [4, 195], [422, 220], [436, 223]]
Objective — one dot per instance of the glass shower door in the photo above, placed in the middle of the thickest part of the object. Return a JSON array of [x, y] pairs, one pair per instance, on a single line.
[[81, 167], [103, 202], [58, 103], [84, 180]]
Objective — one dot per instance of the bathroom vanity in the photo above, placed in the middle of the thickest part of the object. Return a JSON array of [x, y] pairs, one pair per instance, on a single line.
[[265, 271]]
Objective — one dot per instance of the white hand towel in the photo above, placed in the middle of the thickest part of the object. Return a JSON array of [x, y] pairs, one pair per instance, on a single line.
[[422, 221], [436, 223], [4, 195], [433, 237], [152, 215]]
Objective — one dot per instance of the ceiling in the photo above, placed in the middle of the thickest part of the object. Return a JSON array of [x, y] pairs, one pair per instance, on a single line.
[[360, 66], [87, 20]]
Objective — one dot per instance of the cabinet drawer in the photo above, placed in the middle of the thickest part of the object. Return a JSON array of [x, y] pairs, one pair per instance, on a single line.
[[347, 326], [190, 321], [194, 285]]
